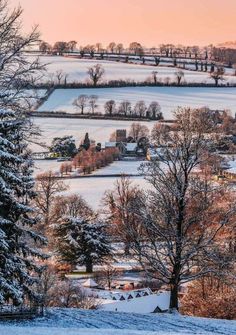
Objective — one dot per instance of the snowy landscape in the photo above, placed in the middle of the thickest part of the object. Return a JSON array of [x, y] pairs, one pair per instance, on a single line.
[[76, 69], [73, 322], [117, 168], [169, 98]]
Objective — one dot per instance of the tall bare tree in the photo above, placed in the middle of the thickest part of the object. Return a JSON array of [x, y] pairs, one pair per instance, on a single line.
[[110, 107], [218, 75], [183, 214], [93, 102], [96, 73], [81, 102]]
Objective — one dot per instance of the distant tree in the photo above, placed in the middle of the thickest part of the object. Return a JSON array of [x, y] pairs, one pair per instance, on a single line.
[[81, 102], [157, 60], [125, 107], [154, 76], [179, 76], [119, 48], [96, 73], [136, 48], [98, 47], [140, 108], [138, 130], [154, 110], [60, 47], [45, 47], [111, 47], [218, 75], [72, 45], [64, 146], [61, 77], [110, 107], [93, 102], [86, 142]]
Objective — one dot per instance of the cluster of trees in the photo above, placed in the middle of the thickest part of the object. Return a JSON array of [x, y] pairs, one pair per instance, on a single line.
[[183, 228], [59, 47], [89, 160], [140, 109]]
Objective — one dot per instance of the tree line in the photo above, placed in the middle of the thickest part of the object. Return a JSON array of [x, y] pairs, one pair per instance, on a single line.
[[88, 104]]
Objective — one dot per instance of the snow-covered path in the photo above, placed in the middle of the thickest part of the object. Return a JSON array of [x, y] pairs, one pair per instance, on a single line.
[[74, 321]]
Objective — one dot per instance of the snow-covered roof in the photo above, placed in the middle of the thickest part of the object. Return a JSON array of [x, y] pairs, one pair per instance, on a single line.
[[131, 146], [90, 283]]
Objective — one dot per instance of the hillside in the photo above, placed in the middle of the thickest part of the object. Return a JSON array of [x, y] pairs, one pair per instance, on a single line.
[[74, 322]]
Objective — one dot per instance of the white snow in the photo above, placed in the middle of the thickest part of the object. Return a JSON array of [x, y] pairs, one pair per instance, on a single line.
[[141, 305], [76, 69], [169, 98], [121, 167], [99, 130], [92, 189], [75, 322]]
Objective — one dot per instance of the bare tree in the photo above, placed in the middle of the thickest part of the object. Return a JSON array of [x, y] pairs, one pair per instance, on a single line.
[[136, 48], [119, 203], [125, 107], [96, 73], [81, 102], [61, 77], [98, 46], [47, 188], [111, 47], [119, 48], [154, 110], [72, 45], [183, 215], [93, 103], [45, 47], [138, 130], [140, 108], [179, 76], [218, 75], [154, 76], [110, 107], [60, 47]]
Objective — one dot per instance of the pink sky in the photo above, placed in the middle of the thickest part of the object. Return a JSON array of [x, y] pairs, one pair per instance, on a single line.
[[150, 22]]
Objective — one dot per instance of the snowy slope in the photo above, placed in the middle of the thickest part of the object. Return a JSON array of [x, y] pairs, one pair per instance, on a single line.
[[76, 322], [76, 69], [99, 130], [169, 98]]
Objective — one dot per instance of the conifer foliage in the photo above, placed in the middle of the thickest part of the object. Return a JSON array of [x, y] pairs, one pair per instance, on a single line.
[[18, 268], [82, 240]]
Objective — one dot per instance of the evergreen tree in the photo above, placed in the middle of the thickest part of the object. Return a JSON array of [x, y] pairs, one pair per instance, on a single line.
[[64, 146], [86, 143], [18, 268], [82, 241]]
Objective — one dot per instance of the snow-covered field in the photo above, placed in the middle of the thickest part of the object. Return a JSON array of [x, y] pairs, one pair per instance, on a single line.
[[78, 322], [76, 69], [169, 98], [92, 189], [99, 130]]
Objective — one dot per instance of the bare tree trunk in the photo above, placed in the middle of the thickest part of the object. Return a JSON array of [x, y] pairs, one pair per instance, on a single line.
[[174, 299], [89, 266]]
